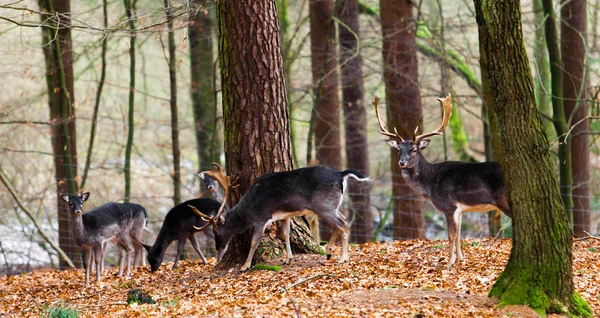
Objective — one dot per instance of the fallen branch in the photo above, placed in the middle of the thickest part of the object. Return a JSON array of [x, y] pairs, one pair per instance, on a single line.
[[587, 236], [43, 233], [306, 280], [102, 305]]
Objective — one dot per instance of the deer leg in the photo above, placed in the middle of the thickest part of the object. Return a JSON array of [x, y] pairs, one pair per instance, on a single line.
[[87, 258], [286, 234], [331, 243], [128, 246], [98, 256], [345, 256], [450, 219], [253, 246], [459, 255], [180, 247], [196, 247]]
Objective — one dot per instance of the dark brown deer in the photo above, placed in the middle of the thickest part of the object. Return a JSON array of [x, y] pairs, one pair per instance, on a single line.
[[452, 187], [281, 196]]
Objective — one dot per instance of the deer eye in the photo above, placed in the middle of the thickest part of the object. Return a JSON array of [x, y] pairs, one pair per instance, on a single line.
[[414, 150]]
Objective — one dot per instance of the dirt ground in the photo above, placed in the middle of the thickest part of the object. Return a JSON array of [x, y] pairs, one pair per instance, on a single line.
[[400, 279]]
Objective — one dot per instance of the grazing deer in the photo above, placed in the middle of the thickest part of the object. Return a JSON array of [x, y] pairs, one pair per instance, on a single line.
[[109, 222], [281, 196], [452, 187]]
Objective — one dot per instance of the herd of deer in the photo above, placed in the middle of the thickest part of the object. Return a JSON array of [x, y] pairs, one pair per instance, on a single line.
[[451, 187]]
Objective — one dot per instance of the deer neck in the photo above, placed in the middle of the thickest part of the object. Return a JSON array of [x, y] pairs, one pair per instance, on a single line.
[[237, 220], [77, 228], [419, 176]]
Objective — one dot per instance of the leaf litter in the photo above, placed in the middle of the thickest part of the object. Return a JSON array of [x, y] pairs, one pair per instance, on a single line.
[[396, 279]]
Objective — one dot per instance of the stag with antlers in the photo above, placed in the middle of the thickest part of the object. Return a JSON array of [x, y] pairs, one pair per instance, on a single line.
[[452, 187]]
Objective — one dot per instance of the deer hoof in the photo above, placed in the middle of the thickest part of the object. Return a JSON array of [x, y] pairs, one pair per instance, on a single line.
[[243, 269], [328, 256]]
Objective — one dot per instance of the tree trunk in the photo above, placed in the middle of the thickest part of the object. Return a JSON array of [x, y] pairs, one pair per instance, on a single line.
[[403, 101], [355, 119], [59, 79], [129, 11], [558, 111], [573, 38], [257, 139], [173, 104], [539, 270], [326, 112], [204, 105], [542, 78]]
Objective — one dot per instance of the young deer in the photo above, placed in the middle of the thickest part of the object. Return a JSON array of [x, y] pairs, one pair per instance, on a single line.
[[281, 196], [110, 222], [452, 187]]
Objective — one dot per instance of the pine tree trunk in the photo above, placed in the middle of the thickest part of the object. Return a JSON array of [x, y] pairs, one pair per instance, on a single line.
[[403, 102], [326, 112], [539, 270], [257, 139], [573, 51], [173, 104], [204, 105], [355, 119], [59, 79]]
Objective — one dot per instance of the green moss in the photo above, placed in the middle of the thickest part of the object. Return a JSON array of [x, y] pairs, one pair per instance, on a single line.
[[321, 250], [579, 306], [264, 267], [60, 311]]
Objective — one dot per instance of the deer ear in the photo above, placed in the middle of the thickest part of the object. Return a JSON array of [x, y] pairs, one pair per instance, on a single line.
[[392, 143], [65, 197], [424, 143], [201, 176], [85, 196]]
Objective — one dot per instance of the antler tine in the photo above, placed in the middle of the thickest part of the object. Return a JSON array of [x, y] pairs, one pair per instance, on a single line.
[[218, 167], [382, 129], [447, 105], [208, 219]]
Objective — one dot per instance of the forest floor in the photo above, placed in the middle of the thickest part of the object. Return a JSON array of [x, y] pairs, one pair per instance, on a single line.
[[400, 279]]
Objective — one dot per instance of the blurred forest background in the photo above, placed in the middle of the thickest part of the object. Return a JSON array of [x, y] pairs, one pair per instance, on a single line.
[[142, 140]]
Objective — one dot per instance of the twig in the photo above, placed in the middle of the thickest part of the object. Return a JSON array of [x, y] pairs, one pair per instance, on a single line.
[[588, 236], [305, 280], [293, 303], [102, 305], [502, 229], [17, 199]]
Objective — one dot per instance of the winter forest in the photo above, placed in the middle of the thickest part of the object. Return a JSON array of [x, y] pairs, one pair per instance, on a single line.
[[397, 158]]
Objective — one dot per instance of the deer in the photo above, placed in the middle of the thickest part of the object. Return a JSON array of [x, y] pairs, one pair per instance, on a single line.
[[179, 223], [122, 223], [451, 187], [279, 196]]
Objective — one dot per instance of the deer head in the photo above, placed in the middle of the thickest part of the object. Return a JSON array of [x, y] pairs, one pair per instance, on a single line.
[[75, 201], [409, 148], [227, 184]]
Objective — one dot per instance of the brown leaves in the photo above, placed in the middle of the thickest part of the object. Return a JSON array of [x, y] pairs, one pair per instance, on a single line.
[[381, 279]]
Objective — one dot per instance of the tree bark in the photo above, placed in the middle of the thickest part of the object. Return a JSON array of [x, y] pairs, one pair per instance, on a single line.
[[355, 119], [539, 269], [326, 112], [204, 102], [403, 101], [257, 139], [129, 11], [573, 51], [173, 104], [59, 79]]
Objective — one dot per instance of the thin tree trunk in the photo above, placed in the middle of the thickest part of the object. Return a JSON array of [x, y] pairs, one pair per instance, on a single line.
[[558, 111], [542, 78], [403, 102], [355, 118], [539, 269], [204, 105], [257, 137], [98, 95], [129, 12], [59, 78], [326, 112], [573, 50], [173, 104]]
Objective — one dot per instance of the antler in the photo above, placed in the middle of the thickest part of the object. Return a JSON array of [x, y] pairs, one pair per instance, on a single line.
[[382, 129], [447, 105], [208, 219], [227, 184]]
